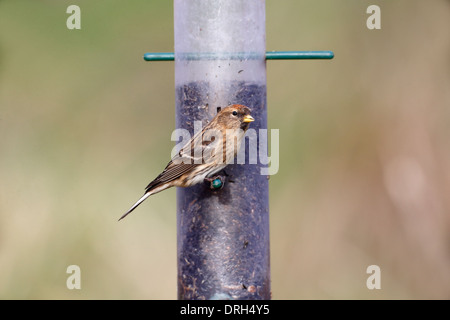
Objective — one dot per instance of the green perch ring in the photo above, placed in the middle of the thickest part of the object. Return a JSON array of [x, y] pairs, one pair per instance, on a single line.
[[216, 184]]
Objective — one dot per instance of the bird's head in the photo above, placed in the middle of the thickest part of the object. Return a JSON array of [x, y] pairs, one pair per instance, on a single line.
[[235, 116]]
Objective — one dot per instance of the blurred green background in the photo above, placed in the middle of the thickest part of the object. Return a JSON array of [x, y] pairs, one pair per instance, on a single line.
[[364, 173]]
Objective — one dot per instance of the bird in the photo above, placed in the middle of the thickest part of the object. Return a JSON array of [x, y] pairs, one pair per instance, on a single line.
[[207, 153]]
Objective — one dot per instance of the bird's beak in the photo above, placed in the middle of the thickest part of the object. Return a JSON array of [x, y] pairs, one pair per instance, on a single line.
[[248, 118]]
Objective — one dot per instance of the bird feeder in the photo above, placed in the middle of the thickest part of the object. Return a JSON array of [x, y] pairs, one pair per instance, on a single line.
[[223, 233]]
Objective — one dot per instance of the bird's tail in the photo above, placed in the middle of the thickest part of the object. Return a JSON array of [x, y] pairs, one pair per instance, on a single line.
[[145, 196]]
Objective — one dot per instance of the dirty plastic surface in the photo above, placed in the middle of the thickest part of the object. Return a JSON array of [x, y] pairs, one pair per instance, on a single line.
[[223, 235]]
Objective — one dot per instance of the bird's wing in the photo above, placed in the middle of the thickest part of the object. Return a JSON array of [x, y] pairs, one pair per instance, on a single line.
[[200, 149], [172, 172]]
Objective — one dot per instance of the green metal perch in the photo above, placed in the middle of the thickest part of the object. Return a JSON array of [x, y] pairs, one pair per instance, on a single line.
[[270, 55]]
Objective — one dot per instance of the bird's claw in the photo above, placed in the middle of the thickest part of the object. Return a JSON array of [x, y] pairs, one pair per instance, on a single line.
[[228, 176]]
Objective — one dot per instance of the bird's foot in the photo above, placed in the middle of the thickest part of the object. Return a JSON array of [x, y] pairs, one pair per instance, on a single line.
[[229, 176], [218, 181]]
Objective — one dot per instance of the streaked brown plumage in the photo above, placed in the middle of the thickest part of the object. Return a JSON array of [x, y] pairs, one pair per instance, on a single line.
[[205, 154]]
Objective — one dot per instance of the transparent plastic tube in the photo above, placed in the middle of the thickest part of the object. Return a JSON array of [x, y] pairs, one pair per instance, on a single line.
[[223, 235]]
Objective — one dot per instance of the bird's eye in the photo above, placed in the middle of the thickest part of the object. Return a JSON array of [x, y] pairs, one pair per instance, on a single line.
[[234, 113]]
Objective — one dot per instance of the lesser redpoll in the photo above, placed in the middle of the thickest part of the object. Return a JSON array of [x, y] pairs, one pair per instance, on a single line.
[[208, 152]]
